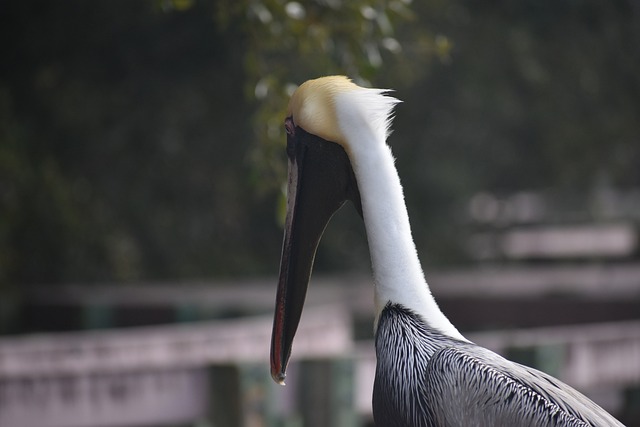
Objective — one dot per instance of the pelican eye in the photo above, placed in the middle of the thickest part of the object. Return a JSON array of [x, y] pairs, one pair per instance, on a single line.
[[289, 126]]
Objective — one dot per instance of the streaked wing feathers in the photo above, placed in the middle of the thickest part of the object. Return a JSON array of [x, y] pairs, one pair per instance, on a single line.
[[472, 386]]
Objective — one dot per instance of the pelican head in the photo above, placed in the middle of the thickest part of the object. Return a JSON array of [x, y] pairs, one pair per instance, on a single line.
[[320, 181], [336, 132]]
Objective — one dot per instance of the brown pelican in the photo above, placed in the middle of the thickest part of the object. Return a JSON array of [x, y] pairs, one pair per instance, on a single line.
[[427, 373]]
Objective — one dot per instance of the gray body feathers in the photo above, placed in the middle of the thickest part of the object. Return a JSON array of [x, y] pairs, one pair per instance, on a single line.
[[425, 378]]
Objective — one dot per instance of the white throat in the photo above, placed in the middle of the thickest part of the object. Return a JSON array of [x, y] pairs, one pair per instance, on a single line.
[[364, 117]]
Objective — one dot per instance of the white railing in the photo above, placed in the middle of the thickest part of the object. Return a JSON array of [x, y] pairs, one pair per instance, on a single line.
[[324, 332]]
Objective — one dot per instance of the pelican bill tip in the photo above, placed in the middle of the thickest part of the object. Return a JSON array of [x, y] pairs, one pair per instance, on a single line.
[[279, 377]]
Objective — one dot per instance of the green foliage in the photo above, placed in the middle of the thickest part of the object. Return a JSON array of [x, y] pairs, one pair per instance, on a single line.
[[143, 140], [288, 42], [129, 131]]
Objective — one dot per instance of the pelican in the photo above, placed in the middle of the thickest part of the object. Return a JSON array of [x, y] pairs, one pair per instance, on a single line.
[[427, 372]]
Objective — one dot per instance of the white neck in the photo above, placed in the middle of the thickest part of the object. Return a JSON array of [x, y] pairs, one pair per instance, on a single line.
[[397, 272]]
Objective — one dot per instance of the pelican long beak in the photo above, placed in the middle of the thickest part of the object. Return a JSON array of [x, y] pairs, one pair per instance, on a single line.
[[320, 180]]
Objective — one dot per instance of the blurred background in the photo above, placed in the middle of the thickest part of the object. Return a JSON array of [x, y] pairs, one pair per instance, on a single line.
[[141, 200]]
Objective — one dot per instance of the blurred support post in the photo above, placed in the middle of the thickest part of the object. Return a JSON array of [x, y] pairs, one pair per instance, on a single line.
[[313, 399], [327, 393], [97, 316], [258, 404], [225, 409], [187, 313], [632, 405], [342, 393]]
